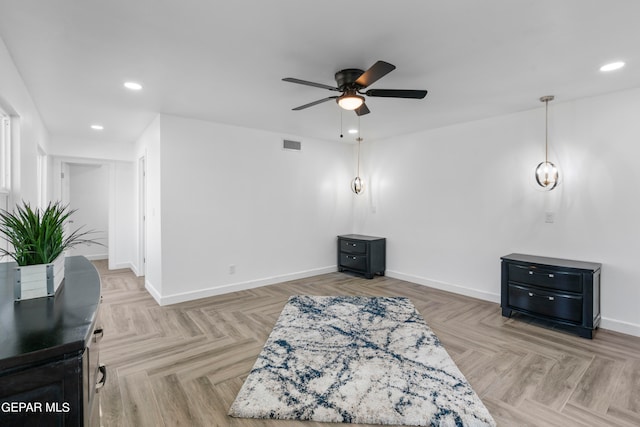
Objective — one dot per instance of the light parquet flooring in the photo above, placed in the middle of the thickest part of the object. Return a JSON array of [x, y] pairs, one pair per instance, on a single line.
[[182, 365]]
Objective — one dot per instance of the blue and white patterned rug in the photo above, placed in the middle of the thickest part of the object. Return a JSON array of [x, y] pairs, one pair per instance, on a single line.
[[371, 360]]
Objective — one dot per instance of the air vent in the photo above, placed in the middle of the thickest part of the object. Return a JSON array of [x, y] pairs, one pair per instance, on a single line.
[[287, 144]]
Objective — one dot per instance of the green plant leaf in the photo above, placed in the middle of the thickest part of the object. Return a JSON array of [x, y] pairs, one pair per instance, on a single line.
[[37, 237]]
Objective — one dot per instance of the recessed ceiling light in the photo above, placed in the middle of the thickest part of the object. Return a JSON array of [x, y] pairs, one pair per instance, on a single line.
[[133, 85], [353, 131], [97, 127], [612, 66]]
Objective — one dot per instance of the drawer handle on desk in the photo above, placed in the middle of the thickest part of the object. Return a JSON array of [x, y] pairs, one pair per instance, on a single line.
[[103, 380], [98, 334], [551, 275], [531, 294], [530, 272]]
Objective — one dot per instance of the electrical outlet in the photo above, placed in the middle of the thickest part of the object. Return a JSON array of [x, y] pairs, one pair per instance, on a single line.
[[549, 217]]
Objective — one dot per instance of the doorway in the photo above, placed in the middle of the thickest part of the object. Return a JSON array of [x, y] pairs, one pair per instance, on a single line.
[[85, 188]]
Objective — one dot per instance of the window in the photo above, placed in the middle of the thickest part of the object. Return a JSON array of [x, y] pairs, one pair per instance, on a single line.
[[5, 153], [5, 167]]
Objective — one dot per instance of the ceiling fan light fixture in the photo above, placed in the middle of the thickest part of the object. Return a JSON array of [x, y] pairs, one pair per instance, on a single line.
[[350, 101]]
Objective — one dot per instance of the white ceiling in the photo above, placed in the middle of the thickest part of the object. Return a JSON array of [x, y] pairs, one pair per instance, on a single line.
[[223, 61]]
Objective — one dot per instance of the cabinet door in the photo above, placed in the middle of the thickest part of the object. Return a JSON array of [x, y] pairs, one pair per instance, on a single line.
[[44, 395]]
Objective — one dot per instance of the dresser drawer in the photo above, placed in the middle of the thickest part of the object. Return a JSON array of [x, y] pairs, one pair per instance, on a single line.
[[353, 247], [357, 262], [557, 280], [559, 306]]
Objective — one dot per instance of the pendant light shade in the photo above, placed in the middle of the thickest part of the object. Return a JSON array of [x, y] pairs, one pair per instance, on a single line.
[[547, 175], [357, 185]]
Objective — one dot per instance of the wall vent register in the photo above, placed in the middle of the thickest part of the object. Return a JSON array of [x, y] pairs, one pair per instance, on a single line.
[[560, 291], [287, 144]]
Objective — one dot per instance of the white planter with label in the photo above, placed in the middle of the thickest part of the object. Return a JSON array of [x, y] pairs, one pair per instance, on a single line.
[[38, 281]]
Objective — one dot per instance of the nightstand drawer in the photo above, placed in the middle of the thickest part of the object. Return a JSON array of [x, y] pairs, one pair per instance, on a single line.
[[559, 306], [357, 262], [557, 280], [353, 247]]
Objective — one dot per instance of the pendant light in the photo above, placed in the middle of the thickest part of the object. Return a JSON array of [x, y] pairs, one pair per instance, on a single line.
[[357, 185], [546, 172]]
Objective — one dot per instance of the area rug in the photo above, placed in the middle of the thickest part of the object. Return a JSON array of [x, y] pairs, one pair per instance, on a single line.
[[370, 360]]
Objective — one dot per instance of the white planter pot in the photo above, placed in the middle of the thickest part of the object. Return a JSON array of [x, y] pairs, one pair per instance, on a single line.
[[38, 281]]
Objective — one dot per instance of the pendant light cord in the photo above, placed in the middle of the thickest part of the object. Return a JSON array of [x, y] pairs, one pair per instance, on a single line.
[[546, 131], [359, 139], [546, 100]]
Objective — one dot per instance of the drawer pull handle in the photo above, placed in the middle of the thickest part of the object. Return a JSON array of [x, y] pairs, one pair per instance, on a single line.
[[97, 334], [531, 294], [551, 275], [103, 370], [530, 272], [551, 298]]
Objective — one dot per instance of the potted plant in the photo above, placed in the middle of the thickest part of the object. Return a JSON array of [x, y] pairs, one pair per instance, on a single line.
[[37, 244]]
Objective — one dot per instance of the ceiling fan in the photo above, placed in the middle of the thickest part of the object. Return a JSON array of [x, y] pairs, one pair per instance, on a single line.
[[351, 83]]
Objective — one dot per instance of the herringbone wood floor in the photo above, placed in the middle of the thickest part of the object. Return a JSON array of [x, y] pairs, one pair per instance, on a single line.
[[182, 365]]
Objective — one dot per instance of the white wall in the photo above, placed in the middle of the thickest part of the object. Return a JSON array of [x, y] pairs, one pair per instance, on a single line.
[[119, 198], [89, 196], [123, 229], [233, 197], [452, 201], [148, 146], [28, 129], [65, 146]]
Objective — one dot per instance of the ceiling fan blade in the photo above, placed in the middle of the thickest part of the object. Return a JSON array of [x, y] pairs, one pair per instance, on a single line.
[[397, 93], [311, 104], [362, 110], [377, 71], [304, 82]]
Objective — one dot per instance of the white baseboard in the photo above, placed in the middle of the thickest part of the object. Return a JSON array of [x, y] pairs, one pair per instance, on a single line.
[[153, 291], [240, 286], [606, 323], [456, 289], [620, 326], [121, 265], [97, 257]]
